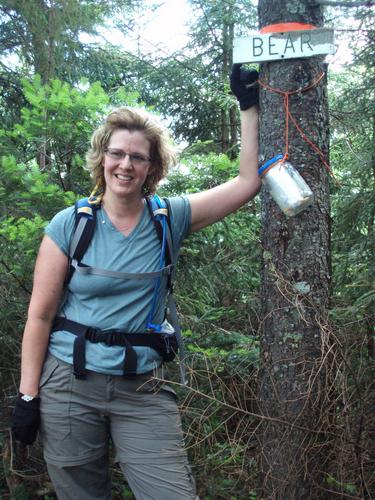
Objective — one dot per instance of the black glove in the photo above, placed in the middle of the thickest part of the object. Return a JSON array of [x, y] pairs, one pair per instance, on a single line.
[[25, 420], [240, 79]]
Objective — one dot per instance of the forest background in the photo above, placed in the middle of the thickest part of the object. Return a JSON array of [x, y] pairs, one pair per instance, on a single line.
[[62, 67]]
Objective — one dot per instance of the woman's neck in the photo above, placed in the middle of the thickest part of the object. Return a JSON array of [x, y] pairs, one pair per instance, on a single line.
[[124, 214], [123, 207]]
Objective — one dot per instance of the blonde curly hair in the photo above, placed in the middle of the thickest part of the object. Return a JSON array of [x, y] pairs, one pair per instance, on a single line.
[[162, 153]]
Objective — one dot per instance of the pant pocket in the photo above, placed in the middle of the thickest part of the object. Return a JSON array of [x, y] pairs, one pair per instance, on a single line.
[[55, 401], [49, 366]]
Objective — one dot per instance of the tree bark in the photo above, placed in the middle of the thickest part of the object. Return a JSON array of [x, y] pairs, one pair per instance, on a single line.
[[295, 276]]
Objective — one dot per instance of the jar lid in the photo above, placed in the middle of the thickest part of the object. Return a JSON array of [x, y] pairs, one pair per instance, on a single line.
[[269, 163]]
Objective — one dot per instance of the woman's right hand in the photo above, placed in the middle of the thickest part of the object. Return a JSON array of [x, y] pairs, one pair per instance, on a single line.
[[25, 419]]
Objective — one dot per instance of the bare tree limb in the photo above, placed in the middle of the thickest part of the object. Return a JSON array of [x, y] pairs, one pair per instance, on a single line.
[[334, 3]]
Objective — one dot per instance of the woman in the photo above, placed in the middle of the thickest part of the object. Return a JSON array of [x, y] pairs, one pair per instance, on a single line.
[[129, 155]]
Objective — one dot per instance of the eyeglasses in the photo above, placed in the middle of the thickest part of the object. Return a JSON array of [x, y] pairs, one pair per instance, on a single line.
[[135, 158]]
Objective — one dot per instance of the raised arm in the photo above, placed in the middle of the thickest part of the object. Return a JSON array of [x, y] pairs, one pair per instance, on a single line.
[[214, 204]]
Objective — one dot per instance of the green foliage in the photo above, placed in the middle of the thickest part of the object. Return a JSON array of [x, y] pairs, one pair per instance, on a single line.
[[353, 248], [46, 126], [58, 40], [197, 172], [55, 128], [221, 265], [50, 36], [346, 487], [217, 294], [28, 200], [41, 161], [353, 203]]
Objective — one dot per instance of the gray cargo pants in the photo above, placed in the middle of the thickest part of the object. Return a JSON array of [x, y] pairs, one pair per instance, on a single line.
[[80, 417]]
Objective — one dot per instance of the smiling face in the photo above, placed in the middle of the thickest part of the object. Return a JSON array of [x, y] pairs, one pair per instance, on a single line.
[[124, 178]]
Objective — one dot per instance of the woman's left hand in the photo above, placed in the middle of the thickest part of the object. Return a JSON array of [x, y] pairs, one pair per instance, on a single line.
[[244, 85]]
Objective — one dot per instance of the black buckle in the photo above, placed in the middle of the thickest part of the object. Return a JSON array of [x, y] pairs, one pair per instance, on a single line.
[[92, 334], [110, 337]]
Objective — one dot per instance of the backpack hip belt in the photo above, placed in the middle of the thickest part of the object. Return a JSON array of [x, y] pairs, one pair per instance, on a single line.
[[165, 344]]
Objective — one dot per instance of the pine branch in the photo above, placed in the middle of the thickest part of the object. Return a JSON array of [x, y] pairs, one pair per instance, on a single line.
[[15, 277]]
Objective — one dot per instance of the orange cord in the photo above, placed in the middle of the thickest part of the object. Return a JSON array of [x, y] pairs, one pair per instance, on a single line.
[[286, 106], [288, 116]]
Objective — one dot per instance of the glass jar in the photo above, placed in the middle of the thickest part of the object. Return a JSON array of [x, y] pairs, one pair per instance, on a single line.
[[286, 186]]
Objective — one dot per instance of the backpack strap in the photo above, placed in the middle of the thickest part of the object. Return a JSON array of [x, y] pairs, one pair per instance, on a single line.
[[85, 220], [172, 311], [159, 210], [159, 213]]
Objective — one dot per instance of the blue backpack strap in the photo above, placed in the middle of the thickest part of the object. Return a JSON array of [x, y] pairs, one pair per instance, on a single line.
[[85, 220], [159, 210], [159, 213]]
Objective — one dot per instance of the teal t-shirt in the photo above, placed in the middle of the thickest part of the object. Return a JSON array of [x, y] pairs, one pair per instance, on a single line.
[[106, 302]]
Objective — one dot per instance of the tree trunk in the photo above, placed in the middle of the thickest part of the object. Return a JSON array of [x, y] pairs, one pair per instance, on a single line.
[[233, 113], [41, 20], [227, 44], [229, 122], [371, 251], [295, 277]]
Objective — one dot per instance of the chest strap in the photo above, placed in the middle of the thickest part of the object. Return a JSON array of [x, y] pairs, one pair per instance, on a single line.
[[84, 269], [165, 344]]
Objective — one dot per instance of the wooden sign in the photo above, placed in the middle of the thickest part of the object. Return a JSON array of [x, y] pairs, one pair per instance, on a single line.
[[284, 45]]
